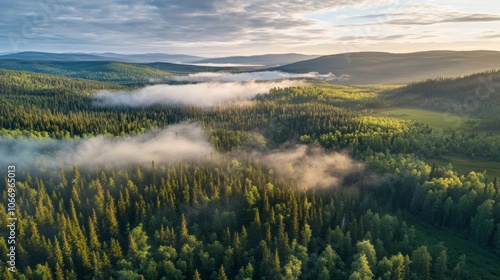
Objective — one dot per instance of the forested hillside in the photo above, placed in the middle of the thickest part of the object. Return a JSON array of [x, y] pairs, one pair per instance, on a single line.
[[104, 71], [269, 60], [476, 95], [231, 214], [52, 56], [26, 83], [398, 68], [108, 56]]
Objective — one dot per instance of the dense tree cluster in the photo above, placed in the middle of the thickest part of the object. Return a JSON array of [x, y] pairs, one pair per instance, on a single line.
[[467, 204], [229, 218], [473, 95], [59, 107], [104, 71]]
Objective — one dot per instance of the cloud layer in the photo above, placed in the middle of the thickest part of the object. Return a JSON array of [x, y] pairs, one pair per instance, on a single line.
[[200, 95], [311, 167], [175, 143], [210, 89], [157, 22], [219, 27], [307, 167], [252, 76]]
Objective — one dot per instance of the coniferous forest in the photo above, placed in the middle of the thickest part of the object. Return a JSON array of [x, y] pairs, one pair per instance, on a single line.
[[411, 203]]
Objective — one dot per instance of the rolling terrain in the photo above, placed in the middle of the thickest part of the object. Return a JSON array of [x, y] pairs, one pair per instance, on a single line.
[[52, 56], [269, 60], [150, 57], [187, 68], [106, 71], [394, 68], [474, 96], [136, 58], [288, 179], [110, 71], [241, 140]]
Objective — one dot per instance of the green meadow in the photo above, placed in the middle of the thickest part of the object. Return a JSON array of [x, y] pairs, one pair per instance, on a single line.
[[434, 119]]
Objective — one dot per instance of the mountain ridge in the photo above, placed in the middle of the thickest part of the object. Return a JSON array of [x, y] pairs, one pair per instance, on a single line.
[[397, 68], [131, 58], [105, 71], [264, 59]]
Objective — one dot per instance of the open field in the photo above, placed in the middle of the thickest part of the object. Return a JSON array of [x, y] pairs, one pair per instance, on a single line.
[[465, 165], [434, 119]]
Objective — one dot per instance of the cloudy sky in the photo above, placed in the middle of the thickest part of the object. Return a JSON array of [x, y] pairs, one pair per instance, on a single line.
[[237, 27]]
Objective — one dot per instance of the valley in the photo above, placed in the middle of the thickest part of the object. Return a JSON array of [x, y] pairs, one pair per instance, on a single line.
[[166, 171]]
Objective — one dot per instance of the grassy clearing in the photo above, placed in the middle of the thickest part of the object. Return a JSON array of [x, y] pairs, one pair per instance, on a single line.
[[465, 165], [480, 263], [437, 120]]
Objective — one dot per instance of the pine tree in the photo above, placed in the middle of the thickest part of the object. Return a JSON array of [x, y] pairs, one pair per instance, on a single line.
[[238, 250], [112, 222], [222, 273], [35, 239], [292, 270], [399, 270], [482, 223], [266, 263], [421, 262], [306, 234], [95, 245], [268, 234], [244, 238], [67, 250], [115, 251], [295, 220], [440, 265], [361, 269], [8, 275], [197, 275], [256, 220], [226, 237], [365, 247], [184, 229], [276, 265]]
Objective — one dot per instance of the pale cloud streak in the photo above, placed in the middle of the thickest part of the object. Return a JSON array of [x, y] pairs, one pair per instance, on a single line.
[[230, 27]]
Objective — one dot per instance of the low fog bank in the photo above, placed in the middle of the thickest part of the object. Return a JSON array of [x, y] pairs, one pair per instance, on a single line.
[[227, 65], [253, 76], [209, 89], [173, 144], [201, 95], [310, 167]]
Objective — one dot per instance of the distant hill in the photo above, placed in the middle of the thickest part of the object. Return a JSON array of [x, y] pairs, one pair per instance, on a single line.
[[105, 71], [186, 68], [269, 60], [52, 56], [476, 96], [137, 58], [483, 86], [17, 82], [473, 94], [392, 68], [150, 57]]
